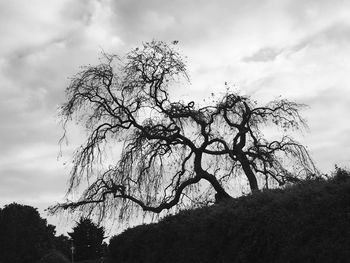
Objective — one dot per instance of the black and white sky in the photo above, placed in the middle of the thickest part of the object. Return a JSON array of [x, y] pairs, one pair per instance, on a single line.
[[297, 49]]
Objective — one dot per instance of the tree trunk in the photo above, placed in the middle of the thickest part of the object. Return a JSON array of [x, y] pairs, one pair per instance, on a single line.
[[221, 194], [248, 172]]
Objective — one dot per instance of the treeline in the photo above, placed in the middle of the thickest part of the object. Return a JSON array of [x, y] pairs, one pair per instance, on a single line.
[[307, 222], [25, 237]]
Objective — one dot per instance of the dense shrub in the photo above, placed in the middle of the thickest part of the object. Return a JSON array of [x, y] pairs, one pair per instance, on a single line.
[[63, 244], [308, 222], [54, 256]]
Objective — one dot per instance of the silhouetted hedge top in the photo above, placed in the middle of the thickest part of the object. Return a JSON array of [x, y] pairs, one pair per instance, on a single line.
[[308, 222]]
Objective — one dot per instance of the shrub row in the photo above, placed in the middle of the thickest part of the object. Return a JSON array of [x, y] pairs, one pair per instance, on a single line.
[[308, 222]]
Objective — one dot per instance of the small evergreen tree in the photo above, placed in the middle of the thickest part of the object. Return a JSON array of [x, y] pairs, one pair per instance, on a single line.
[[87, 239]]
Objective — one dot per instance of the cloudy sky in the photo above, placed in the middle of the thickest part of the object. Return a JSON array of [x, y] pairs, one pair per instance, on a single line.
[[299, 49]]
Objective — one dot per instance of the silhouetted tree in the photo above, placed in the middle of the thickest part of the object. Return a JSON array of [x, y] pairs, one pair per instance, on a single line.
[[171, 150], [24, 235], [87, 239]]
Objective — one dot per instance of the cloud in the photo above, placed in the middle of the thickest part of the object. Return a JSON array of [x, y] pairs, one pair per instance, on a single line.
[[34, 71], [193, 23], [30, 173], [329, 128], [296, 49], [43, 45], [337, 34], [263, 55]]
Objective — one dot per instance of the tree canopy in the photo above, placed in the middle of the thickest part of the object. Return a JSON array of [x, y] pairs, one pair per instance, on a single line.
[[24, 235], [87, 240], [173, 153]]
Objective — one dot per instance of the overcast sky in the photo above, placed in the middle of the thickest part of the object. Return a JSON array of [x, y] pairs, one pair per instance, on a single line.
[[299, 49]]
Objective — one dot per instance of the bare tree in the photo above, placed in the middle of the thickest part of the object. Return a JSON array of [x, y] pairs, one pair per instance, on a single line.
[[169, 148]]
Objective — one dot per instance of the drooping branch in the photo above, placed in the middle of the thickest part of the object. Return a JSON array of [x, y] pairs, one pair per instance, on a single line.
[[118, 192], [170, 148]]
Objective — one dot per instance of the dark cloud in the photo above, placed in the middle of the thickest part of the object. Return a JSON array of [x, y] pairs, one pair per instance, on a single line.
[[263, 55], [182, 20], [80, 11]]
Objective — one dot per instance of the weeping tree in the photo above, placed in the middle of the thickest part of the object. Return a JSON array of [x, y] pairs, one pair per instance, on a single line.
[[171, 153]]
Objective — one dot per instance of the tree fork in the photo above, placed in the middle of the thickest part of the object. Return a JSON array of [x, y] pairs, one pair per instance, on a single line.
[[221, 194]]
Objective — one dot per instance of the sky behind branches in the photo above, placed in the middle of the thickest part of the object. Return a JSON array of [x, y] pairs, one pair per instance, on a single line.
[[299, 50]]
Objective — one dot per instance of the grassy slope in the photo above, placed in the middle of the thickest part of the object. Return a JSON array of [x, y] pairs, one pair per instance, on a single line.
[[309, 222]]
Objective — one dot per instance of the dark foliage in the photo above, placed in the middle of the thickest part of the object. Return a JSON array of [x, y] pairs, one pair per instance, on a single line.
[[308, 222], [87, 239], [54, 256], [62, 244], [24, 235]]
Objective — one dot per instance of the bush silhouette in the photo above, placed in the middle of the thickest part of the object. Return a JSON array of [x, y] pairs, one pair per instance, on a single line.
[[54, 256], [24, 235], [307, 222]]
